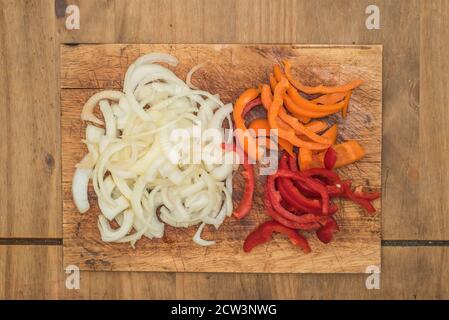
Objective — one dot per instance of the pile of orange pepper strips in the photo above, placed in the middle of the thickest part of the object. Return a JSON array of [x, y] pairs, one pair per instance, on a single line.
[[298, 195]]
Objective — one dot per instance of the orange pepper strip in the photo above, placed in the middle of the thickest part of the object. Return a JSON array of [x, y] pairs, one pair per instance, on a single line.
[[301, 129], [344, 111], [302, 102], [318, 89], [262, 124], [245, 140], [304, 158], [331, 133], [258, 125], [278, 74], [294, 124], [347, 152], [295, 109], [316, 126], [330, 98], [284, 144], [274, 80], [273, 111]]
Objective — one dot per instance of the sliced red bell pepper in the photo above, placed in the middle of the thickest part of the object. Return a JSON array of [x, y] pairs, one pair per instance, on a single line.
[[288, 193], [329, 176], [326, 232], [288, 206], [367, 195], [330, 158], [293, 194], [288, 223], [263, 233], [292, 163], [276, 198], [251, 105], [362, 202], [246, 202]]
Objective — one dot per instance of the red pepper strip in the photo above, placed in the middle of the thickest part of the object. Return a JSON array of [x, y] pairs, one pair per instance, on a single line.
[[292, 163], [368, 196], [362, 202], [276, 198], [288, 223], [330, 158], [337, 191], [321, 189], [263, 233], [285, 204], [326, 232], [303, 202], [284, 188], [331, 176], [251, 105], [292, 195], [246, 202], [309, 182]]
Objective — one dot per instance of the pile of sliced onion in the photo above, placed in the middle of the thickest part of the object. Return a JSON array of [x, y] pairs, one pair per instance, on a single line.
[[130, 156]]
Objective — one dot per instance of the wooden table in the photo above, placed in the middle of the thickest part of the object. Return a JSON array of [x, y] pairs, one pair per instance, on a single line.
[[415, 223]]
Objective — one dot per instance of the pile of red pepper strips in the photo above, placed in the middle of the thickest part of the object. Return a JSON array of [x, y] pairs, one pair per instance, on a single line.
[[299, 200]]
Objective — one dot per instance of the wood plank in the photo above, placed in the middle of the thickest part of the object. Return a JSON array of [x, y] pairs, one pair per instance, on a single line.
[[35, 272], [104, 66], [308, 22], [29, 141], [433, 120]]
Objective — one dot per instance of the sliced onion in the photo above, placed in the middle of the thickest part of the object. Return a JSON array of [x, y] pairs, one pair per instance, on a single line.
[[79, 189], [197, 237], [137, 168], [190, 74], [88, 109]]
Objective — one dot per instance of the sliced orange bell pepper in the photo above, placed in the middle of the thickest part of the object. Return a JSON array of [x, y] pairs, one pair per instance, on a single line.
[[344, 110], [264, 127], [347, 152], [294, 123], [331, 133], [295, 109], [318, 89], [278, 74], [273, 111], [274, 80], [260, 124], [330, 98], [304, 158], [316, 126], [303, 103]]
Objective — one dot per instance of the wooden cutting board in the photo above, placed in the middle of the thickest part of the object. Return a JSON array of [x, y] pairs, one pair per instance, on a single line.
[[86, 69]]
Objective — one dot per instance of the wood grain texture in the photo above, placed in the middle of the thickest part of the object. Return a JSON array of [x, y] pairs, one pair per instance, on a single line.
[[230, 70], [313, 22], [433, 143], [215, 21], [36, 272], [29, 138]]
